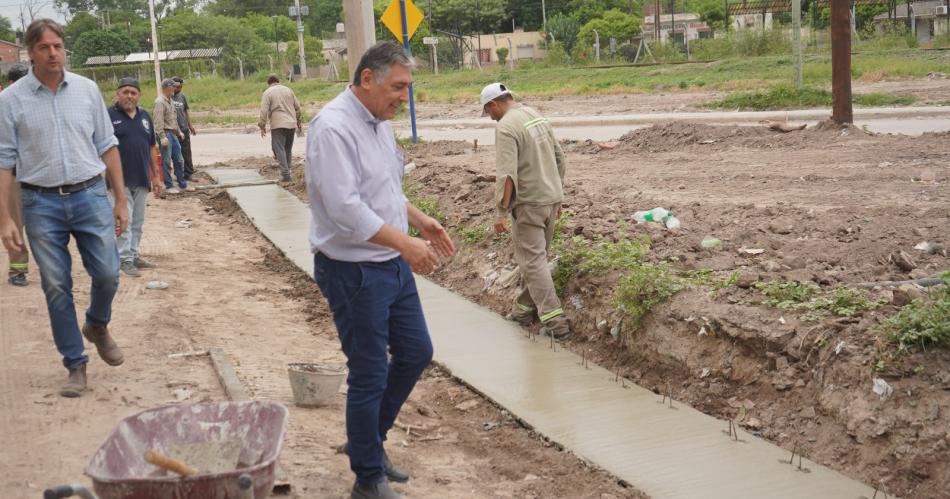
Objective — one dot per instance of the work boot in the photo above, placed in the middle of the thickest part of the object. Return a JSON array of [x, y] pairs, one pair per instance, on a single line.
[[75, 384], [128, 268], [285, 178], [108, 350], [380, 490], [393, 473], [18, 279], [558, 327], [523, 316], [142, 264]]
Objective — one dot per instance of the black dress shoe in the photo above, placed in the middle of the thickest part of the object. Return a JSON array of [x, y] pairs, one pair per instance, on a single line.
[[393, 473]]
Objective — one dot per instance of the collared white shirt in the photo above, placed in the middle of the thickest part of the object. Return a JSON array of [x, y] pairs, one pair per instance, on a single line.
[[54, 139], [354, 173]]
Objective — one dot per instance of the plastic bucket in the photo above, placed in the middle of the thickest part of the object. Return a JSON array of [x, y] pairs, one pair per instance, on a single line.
[[314, 385]]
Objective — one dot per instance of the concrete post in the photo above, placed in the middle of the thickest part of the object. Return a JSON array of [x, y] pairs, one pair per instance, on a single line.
[[360, 31], [797, 40], [300, 50]]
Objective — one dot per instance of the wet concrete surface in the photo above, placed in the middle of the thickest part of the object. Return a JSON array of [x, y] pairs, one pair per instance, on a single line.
[[627, 430]]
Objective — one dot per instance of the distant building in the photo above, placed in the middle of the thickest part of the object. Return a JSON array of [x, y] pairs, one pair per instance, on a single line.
[[681, 27], [9, 52], [925, 19], [480, 50]]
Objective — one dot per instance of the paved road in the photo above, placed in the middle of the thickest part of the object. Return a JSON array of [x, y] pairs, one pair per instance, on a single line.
[[209, 148]]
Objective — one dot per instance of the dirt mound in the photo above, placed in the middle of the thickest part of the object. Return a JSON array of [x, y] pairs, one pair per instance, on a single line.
[[222, 204], [438, 148], [825, 206], [680, 135]]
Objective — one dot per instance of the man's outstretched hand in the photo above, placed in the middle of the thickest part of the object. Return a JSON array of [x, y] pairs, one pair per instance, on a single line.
[[432, 231]]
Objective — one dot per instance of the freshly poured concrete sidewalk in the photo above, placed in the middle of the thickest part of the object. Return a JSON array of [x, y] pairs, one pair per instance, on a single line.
[[663, 451]]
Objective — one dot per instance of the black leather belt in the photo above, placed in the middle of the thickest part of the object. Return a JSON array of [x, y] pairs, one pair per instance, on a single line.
[[63, 190]]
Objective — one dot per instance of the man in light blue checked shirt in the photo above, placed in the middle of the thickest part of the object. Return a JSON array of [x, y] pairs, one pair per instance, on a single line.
[[364, 259], [55, 129]]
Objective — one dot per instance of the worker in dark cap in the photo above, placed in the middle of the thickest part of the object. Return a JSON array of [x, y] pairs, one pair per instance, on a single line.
[[184, 123], [169, 137], [136, 133]]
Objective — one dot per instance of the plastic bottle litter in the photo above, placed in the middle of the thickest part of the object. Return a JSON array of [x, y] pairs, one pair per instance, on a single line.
[[156, 285], [659, 215], [710, 242]]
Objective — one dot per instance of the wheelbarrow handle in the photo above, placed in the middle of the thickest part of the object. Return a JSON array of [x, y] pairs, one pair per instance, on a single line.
[[68, 491]]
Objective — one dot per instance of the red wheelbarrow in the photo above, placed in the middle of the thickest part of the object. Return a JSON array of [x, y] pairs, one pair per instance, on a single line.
[[231, 449]]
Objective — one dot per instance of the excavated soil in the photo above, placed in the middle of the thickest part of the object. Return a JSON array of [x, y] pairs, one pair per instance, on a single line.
[[827, 205]]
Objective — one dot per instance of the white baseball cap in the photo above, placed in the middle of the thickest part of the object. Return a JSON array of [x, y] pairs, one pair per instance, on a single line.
[[492, 92]]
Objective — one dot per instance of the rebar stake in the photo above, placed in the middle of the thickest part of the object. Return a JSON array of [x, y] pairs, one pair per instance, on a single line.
[[880, 486], [791, 460]]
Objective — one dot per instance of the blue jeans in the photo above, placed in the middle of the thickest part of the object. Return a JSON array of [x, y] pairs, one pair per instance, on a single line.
[[376, 309], [50, 220], [129, 240], [172, 155]]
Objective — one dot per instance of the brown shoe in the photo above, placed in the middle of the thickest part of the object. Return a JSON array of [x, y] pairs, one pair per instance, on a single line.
[[558, 327], [75, 384], [522, 315], [108, 350]]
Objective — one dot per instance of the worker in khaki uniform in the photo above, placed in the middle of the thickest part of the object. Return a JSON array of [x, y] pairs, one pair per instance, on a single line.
[[280, 106], [531, 167]]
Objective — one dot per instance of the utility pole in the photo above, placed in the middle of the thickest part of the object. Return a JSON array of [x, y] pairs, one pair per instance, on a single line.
[[276, 43], [725, 12], [300, 49], [841, 62], [478, 29], [597, 44], [673, 22], [360, 31], [158, 70], [544, 17], [797, 40]]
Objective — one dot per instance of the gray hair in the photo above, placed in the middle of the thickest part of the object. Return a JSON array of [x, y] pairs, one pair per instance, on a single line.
[[380, 59]]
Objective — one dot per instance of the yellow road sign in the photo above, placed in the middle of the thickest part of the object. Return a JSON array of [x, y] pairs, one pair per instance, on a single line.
[[393, 20]]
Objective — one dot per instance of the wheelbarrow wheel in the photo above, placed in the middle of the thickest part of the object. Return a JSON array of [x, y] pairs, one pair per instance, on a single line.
[[68, 491]]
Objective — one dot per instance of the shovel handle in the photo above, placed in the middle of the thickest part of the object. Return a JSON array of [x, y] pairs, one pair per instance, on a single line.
[[166, 463]]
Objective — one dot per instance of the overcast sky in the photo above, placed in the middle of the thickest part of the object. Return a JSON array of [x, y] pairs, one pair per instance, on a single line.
[[11, 10]]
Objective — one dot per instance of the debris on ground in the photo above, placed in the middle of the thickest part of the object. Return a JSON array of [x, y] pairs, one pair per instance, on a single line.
[[156, 285], [882, 389], [783, 126]]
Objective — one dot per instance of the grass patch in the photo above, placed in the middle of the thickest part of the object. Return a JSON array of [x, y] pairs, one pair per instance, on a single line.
[[535, 80], [789, 97], [813, 303], [708, 278], [642, 288], [640, 285], [604, 256], [473, 235], [427, 205], [925, 322]]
